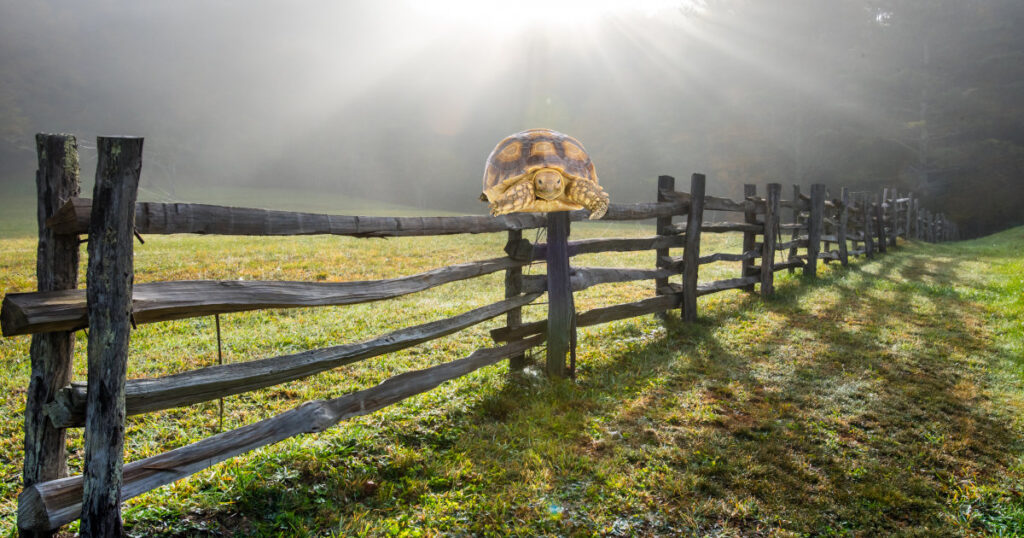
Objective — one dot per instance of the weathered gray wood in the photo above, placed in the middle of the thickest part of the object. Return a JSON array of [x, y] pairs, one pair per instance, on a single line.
[[746, 257], [666, 186], [893, 218], [915, 220], [109, 298], [160, 218], [51, 354], [691, 255], [797, 225], [869, 229], [908, 217], [814, 229], [514, 287], [561, 310], [830, 255], [749, 236], [879, 224], [49, 505], [592, 246], [163, 301], [724, 227], [205, 384], [586, 277], [795, 263], [792, 245], [844, 215], [771, 222], [727, 284], [597, 316]]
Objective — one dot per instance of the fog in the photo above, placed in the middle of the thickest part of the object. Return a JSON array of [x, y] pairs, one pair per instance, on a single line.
[[401, 101]]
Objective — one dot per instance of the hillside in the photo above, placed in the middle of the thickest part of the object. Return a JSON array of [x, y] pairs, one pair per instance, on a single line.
[[887, 397]]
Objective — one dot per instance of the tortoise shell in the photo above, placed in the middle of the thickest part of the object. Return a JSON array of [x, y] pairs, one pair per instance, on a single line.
[[533, 149]]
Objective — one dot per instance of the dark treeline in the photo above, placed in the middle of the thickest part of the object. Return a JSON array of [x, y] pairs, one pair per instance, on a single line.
[[381, 100]]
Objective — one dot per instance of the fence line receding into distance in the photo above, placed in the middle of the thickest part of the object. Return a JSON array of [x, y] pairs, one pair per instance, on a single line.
[[802, 230]]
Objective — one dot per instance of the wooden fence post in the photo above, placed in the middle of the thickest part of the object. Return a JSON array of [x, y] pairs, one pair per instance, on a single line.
[[749, 238], [514, 287], [894, 221], [906, 219], [797, 208], [109, 296], [561, 310], [51, 353], [844, 215], [915, 219], [814, 229], [663, 226], [869, 229], [691, 256], [771, 227], [880, 223]]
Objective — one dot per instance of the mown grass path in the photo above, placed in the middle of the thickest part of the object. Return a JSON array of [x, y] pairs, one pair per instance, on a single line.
[[885, 398]]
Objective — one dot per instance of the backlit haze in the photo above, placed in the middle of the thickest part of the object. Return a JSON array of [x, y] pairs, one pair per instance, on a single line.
[[401, 101]]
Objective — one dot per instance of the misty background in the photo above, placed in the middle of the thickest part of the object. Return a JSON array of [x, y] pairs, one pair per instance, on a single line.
[[399, 101]]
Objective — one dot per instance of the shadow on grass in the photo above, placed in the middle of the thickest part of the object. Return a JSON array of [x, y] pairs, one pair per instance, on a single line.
[[850, 404]]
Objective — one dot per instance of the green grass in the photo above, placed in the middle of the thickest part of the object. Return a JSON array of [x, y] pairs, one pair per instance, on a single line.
[[883, 398]]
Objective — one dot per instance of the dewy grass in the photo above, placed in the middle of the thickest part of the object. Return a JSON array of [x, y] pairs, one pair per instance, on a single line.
[[882, 398]]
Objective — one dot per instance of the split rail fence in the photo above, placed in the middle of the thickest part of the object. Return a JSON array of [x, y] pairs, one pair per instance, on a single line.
[[777, 235]]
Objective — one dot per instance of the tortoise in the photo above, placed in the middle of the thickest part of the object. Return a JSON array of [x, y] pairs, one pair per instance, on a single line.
[[542, 170]]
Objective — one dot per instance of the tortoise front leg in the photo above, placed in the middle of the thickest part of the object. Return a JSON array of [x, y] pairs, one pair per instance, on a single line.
[[515, 198], [589, 195]]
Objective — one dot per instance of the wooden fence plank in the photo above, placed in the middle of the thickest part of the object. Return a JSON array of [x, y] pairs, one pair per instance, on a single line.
[[205, 384], [814, 229], [771, 222], [797, 226], [596, 316], [749, 236], [49, 505], [51, 354], [513, 288], [844, 215], [666, 185], [162, 301], [161, 218], [561, 309], [691, 255], [109, 297]]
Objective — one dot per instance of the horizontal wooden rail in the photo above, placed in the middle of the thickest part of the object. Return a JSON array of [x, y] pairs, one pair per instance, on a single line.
[[161, 218], [596, 316], [48, 505], [727, 284], [210, 383], [585, 277], [35, 312], [781, 266], [715, 203], [593, 246], [799, 242], [723, 257]]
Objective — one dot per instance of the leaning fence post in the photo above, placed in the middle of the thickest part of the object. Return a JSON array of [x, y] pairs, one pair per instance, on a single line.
[[663, 226], [691, 256], [814, 229], [51, 353], [771, 228], [844, 215], [513, 287], [749, 238], [109, 301], [561, 310]]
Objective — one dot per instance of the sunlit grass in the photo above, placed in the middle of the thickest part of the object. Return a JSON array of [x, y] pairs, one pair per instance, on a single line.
[[884, 398]]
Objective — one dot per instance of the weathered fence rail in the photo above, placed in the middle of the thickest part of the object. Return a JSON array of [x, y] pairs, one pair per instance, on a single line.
[[820, 228]]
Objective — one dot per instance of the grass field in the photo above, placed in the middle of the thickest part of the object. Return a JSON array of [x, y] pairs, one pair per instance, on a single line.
[[883, 398]]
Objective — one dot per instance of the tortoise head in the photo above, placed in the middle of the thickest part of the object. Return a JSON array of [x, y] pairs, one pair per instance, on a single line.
[[548, 183]]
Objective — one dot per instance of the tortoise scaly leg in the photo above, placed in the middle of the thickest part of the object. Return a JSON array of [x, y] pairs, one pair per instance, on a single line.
[[516, 198], [589, 195]]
